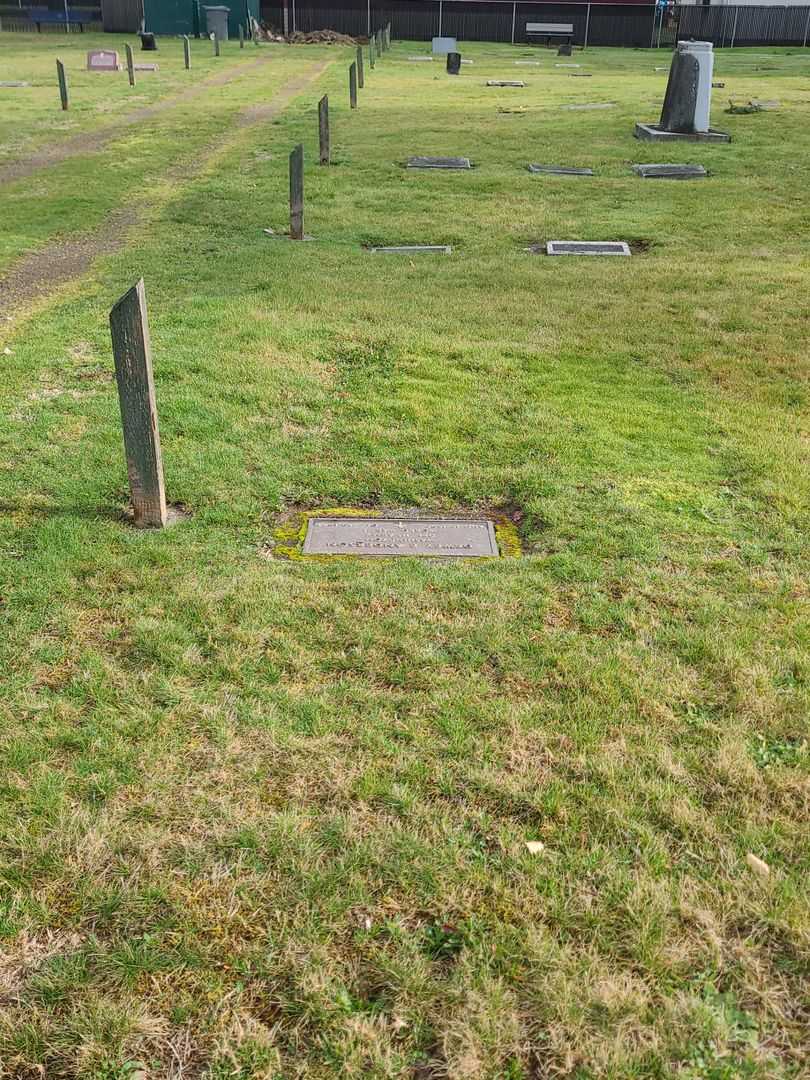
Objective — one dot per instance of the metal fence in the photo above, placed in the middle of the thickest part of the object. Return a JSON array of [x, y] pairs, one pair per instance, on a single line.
[[617, 24], [15, 18]]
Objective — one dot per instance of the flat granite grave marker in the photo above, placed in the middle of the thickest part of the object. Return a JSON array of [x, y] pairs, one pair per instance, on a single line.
[[669, 172], [587, 247], [13, 82], [592, 105], [413, 249], [103, 60], [505, 82], [687, 102], [145, 67], [528, 63], [559, 170], [418, 59], [449, 538], [568, 65], [420, 162]]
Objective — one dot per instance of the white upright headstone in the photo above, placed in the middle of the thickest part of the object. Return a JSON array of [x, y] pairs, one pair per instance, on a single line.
[[703, 52]]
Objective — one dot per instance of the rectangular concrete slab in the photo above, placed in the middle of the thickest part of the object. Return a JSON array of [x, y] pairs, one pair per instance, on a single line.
[[420, 162], [505, 82], [587, 247], [437, 537], [13, 82], [559, 170], [669, 172], [592, 105], [413, 249], [653, 133], [415, 59]]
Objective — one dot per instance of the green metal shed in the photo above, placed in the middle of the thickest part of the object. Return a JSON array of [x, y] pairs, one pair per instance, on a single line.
[[173, 17]]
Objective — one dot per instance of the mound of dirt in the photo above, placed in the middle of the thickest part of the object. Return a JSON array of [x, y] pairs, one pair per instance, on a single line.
[[310, 37]]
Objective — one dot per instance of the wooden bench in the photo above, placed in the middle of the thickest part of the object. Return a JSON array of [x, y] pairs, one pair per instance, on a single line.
[[548, 30], [38, 16]]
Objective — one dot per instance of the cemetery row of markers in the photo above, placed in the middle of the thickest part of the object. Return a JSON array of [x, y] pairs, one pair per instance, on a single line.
[[106, 60], [685, 114]]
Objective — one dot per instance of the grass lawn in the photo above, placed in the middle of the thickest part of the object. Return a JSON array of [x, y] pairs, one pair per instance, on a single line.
[[266, 817]]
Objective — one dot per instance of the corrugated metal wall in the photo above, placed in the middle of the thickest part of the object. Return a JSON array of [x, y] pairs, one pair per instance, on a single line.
[[121, 16], [618, 24]]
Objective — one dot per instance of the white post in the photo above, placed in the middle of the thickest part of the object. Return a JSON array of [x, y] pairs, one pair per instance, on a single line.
[[514, 12], [440, 18], [734, 27], [587, 27], [806, 25], [293, 14], [368, 19]]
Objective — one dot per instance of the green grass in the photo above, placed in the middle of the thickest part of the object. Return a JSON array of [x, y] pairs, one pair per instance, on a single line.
[[265, 818]]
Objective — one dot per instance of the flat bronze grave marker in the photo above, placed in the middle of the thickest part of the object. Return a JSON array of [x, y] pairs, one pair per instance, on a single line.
[[420, 162], [559, 170], [505, 82], [449, 538], [587, 247]]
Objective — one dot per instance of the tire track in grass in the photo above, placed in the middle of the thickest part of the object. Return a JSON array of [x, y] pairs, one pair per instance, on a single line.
[[38, 276], [92, 141]]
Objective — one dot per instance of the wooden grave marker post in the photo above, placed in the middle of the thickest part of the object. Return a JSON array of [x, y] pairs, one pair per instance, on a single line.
[[323, 130], [186, 52], [353, 85], [63, 86], [241, 36], [371, 52], [297, 193], [130, 64], [216, 44], [361, 80], [132, 351]]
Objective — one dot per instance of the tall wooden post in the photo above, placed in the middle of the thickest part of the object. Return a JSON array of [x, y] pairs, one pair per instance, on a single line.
[[216, 44], [361, 81], [297, 193], [187, 52], [371, 53], [132, 352], [241, 36], [130, 64], [63, 87], [353, 86], [388, 36], [323, 130]]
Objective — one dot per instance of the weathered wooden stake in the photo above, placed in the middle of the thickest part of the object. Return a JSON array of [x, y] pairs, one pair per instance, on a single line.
[[353, 86], [216, 44], [63, 87], [371, 52], [241, 36], [323, 130], [132, 352], [380, 42], [297, 193], [388, 36], [361, 80], [130, 64], [187, 52]]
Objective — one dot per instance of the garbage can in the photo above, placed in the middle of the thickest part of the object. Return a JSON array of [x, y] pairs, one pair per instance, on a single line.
[[453, 63], [216, 21]]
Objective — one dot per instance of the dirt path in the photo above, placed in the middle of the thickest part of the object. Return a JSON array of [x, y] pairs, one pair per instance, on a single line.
[[92, 141], [43, 272]]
